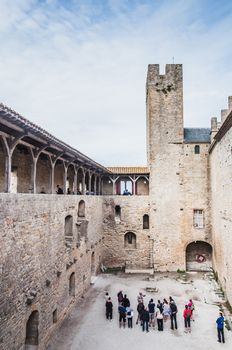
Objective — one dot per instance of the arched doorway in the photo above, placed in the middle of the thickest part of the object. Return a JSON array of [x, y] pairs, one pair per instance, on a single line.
[[198, 256], [32, 329]]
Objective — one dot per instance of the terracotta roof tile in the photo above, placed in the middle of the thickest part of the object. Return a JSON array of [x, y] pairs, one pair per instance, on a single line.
[[129, 170]]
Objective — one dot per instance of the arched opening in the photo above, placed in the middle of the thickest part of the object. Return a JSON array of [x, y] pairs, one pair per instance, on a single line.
[[81, 209], [2, 167], [70, 179], [21, 170], [68, 226], [130, 240], [59, 175], [142, 186], [43, 174], [80, 175], [32, 329], [87, 188], [199, 256], [145, 221], [72, 285], [107, 186], [93, 263]]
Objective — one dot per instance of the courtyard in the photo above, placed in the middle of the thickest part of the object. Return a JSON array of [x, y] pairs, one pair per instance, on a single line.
[[87, 329]]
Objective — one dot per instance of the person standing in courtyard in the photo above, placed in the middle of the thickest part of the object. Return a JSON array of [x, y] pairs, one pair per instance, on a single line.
[[109, 309], [151, 309], [125, 301], [145, 320], [220, 327], [129, 315], [122, 315], [173, 312], [120, 297], [140, 308], [160, 321], [191, 307], [187, 316], [166, 310]]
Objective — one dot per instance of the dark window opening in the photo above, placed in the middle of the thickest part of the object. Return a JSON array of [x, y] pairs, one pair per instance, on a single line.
[[81, 209], [197, 149], [68, 226], [145, 221], [130, 240], [54, 316], [72, 284], [118, 212]]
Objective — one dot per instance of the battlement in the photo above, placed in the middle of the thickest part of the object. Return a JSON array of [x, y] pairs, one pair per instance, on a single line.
[[173, 72], [225, 112]]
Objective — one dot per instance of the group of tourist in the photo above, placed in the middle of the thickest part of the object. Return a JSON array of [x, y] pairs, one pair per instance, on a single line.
[[161, 313]]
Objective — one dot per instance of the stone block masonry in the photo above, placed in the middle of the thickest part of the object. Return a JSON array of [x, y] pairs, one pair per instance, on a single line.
[[38, 259]]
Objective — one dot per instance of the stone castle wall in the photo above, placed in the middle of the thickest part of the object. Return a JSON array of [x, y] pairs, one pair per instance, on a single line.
[[221, 194], [37, 260], [116, 252]]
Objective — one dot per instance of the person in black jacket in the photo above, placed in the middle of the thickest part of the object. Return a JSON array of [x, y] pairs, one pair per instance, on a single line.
[[140, 308], [145, 319], [109, 309], [125, 301], [173, 309]]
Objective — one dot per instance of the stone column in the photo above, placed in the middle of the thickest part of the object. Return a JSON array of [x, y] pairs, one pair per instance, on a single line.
[[95, 184], [90, 177], [34, 174], [65, 179], [75, 181], [83, 183], [52, 177]]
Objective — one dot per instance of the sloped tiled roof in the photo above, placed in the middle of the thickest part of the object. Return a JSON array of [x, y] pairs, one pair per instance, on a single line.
[[129, 170], [194, 135]]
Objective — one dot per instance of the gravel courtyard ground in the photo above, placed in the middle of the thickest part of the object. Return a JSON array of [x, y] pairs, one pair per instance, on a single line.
[[87, 329]]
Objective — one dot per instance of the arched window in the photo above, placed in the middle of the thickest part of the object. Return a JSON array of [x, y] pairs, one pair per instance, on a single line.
[[197, 149], [81, 209], [145, 221], [72, 284], [32, 332], [130, 240], [68, 226]]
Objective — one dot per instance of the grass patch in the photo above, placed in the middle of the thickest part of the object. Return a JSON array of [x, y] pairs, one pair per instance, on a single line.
[[180, 271], [228, 306], [227, 326], [114, 270]]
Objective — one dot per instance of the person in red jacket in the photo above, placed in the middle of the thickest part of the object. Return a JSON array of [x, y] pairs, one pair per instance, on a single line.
[[187, 316]]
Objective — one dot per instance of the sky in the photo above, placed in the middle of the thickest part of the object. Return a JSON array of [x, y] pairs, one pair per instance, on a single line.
[[78, 68]]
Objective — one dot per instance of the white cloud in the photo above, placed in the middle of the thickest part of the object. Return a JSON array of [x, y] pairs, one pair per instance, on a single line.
[[80, 73]]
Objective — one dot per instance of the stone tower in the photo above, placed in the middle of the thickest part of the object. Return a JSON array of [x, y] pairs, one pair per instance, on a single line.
[[164, 98]]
